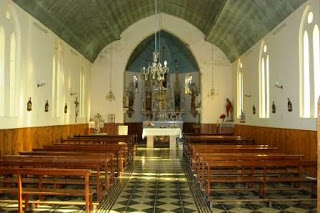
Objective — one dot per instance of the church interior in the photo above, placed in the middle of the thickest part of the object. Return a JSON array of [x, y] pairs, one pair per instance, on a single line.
[[159, 106]]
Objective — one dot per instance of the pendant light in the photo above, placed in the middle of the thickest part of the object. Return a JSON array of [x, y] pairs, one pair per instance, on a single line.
[[110, 96]]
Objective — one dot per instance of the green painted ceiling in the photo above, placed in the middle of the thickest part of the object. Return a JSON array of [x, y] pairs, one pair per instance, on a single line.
[[89, 25]]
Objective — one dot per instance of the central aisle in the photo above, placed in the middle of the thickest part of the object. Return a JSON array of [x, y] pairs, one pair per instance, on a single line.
[[158, 183]]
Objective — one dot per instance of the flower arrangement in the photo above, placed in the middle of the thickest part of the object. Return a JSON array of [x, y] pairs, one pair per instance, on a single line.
[[222, 116]]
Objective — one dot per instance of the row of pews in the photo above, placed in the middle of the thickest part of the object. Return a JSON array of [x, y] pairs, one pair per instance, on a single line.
[[217, 161], [81, 166]]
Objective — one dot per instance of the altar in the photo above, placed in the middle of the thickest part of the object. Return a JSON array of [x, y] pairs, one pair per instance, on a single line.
[[173, 133]]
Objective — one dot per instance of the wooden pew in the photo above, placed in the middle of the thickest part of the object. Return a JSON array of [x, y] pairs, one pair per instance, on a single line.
[[196, 149], [205, 158], [100, 165], [107, 158], [116, 149], [261, 173], [21, 190], [129, 140], [215, 140]]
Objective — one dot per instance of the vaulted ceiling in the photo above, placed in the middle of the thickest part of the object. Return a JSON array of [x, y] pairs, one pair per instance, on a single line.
[[89, 25]]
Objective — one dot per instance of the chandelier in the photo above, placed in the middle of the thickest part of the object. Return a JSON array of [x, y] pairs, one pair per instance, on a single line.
[[155, 70]]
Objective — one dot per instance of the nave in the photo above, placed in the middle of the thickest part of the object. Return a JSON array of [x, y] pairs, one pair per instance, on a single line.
[[161, 181]]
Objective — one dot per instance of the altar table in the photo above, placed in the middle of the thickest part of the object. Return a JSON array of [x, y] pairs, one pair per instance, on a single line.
[[151, 132]]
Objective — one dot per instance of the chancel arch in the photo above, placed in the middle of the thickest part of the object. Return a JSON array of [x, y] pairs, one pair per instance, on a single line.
[[124, 48], [176, 100]]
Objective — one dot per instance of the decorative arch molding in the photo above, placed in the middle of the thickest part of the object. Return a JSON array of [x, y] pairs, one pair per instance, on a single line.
[[181, 29], [122, 49]]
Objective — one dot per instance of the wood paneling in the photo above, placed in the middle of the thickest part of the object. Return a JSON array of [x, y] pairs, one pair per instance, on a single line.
[[288, 140], [13, 141], [111, 128], [318, 149], [135, 129]]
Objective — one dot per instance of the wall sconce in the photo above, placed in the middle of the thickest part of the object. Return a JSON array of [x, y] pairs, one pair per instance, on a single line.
[[41, 84], [247, 95], [46, 107], [72, 93], [278, 85], [29, 105], [65, 108]]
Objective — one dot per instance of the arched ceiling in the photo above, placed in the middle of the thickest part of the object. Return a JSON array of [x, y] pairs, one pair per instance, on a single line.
[[90, 25], [174, 51]]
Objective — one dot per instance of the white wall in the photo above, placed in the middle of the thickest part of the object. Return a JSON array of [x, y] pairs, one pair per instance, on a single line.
[[212, 108], [283, 48], [37, 47]]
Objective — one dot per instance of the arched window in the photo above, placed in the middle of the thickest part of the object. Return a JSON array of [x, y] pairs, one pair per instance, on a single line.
[[54, 80], [239, 89], [10, 57], [309, 85], [13, 74], [57, 81], [82, 92], [188, 83], [2, 63], [264, 82]]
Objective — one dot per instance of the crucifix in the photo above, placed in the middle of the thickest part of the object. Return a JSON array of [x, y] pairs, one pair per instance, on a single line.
[[76, 103]]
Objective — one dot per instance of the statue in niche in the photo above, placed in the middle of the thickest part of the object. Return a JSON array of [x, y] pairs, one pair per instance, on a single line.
[[162, 99], [177, 101], [194, 92], [148, 101], [130, 93]]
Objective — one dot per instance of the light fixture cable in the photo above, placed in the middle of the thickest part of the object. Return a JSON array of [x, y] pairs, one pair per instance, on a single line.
[[110, 96], [212, 91]]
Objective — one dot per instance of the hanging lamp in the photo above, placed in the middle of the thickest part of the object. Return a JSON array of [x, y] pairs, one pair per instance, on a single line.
[[110, 96]]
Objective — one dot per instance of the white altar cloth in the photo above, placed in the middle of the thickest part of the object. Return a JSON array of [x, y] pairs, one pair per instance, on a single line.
[[172, 132]]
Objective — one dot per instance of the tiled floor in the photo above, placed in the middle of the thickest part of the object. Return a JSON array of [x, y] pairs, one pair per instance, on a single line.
[[161, 181], [157, 184]]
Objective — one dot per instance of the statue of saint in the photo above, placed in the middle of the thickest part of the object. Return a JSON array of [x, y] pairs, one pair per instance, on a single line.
[[229, 109]]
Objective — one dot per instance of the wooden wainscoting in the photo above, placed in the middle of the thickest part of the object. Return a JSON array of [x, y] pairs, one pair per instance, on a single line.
[[111, 128], [288, 140], [13, 141], [206, 128]]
